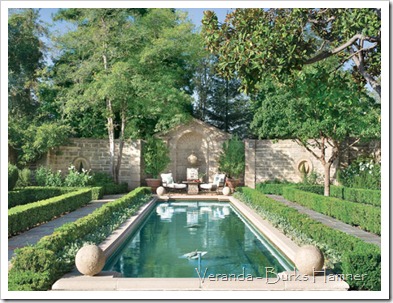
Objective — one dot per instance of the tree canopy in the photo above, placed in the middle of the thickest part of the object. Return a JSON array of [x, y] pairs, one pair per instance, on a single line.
[[31, 129], [318, 108], [131, 67], [255, 43]]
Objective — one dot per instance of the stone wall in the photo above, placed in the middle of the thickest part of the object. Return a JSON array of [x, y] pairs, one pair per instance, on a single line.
[[94, 155], [265, 159], [198, 138], [279, 159]]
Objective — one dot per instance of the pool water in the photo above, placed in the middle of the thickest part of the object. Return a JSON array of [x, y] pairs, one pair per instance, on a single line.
[[180, 239]]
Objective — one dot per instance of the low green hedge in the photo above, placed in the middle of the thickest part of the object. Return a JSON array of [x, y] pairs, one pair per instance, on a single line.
[[367, 217], [23, 217], [365, 196], [113, 188], [356, 256], [54, 255], [272, 188], [31, 194]]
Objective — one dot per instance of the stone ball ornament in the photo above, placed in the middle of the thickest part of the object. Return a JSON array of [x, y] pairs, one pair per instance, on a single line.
[[226, 191], [192, 159], [309, 259], [90, 260], [161, 191]]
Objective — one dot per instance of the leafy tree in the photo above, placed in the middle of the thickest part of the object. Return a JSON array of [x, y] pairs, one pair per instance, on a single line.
[[25, 59], [318, 109], [219, 102], [32, 131], [130, 66], [255, 43]]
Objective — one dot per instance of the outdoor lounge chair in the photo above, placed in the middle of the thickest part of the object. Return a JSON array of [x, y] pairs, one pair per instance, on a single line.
[[217, 184], [168, 183]]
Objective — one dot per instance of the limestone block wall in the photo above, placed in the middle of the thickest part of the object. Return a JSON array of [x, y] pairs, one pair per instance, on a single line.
[[279, 159], [94, 154]]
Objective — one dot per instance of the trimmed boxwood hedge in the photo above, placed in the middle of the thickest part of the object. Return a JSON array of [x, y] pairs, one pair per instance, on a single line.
[[367, 217], [357, 256], [272, 188], [31, 194], [45, 258], [365, 196], [113, 188], [26, 216]]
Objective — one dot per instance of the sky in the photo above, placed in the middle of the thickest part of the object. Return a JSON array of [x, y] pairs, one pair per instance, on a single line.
[[195, 14]]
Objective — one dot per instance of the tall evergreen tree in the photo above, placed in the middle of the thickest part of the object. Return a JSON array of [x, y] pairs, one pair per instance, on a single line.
[[219, 102]]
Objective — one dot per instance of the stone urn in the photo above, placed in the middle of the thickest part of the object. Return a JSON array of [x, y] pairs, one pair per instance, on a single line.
[[192, 159]]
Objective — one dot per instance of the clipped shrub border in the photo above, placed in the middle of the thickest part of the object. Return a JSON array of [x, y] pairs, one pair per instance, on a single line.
[[113, 188], [273, 188], [31, 194], [23, 217], [38, 267], [364, 196], [356, 256], [367, 217]]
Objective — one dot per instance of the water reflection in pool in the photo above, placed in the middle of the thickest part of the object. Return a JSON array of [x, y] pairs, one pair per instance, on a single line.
[[178, 237]]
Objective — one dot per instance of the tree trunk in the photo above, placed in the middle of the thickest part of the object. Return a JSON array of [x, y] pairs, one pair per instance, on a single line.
[[111, 136], [121, 144], [327, 179]]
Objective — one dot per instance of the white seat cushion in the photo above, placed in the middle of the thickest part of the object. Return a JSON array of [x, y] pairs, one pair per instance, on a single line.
[[208, 186], [176, 185], [167, 179]]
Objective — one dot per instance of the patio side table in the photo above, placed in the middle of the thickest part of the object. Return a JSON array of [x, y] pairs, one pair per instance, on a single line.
[[192, 187]]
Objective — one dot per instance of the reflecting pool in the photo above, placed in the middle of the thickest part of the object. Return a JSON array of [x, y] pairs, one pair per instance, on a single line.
[[178, 239]]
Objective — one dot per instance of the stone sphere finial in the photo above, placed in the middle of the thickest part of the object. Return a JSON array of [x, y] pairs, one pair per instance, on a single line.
[[226, 191], [90, 260], [309, 259], [160, 191]]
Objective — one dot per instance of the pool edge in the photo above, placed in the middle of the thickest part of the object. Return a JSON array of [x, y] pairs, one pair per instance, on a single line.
[[110, 281]]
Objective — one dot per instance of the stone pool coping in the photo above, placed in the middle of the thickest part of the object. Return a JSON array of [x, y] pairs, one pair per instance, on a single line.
[[112, 281]]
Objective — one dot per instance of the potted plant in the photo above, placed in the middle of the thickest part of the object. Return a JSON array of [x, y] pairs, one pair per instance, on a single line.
[[156, 158], [232, 161]]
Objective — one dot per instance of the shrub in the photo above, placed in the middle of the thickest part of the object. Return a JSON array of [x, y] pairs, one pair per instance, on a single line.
[[27, 216], [66, 241], [367, 217], [34, 270], [232, 160], [45, 177], [355, 256], [155, 156], [109, 187], [34, 193], [362, 173], [367, 196], [24, 178], [75, 178], [272, 187], [12, 176]]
